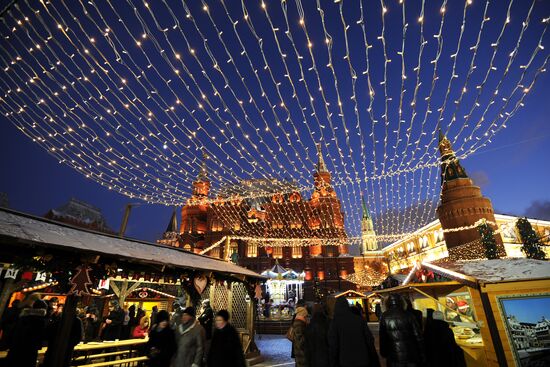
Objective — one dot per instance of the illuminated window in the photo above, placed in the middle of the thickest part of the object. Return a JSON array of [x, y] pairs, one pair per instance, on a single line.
[[424, 242], [277, 252], [252, 250], [296, 252]]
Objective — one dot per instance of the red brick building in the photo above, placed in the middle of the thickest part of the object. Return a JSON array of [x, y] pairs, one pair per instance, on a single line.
[[306, 234]]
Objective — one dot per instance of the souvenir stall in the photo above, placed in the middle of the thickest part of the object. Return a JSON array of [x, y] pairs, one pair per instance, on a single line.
[[83, 264], [497, 309]]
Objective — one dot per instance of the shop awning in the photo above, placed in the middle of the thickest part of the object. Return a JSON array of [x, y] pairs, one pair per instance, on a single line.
[[441, 287], [21, 230]]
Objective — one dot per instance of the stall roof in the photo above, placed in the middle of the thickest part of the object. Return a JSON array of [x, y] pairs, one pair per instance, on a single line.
[[19, 228], [498, 270]]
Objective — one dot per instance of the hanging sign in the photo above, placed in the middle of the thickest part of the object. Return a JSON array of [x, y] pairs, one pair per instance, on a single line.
[[11, 273], [40, 276]]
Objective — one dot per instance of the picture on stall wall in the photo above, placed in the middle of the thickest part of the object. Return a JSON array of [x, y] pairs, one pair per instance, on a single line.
[[528, 328]]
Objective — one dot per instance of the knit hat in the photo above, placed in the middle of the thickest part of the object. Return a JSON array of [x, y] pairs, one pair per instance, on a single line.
[[301, 312]]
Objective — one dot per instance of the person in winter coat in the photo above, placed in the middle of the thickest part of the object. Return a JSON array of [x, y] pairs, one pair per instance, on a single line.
[[226, 349], [190, 340], [207, 318], [416, 313], [299, 337], [351, 343], [161, 345], [113, 322], [441, 347], [154, 313], [175, 317], [317, 338], [9, 320], [91, 324], [28, 336], [140, 331], [401, 341]]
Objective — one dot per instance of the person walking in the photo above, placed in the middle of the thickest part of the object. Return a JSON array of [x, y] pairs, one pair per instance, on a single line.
[[317, 354], [298, 336], [401, 341], [113, 322], [28, 336], [190, 340], [140, 331], [226, 349], [161, 345], [441, 346], [351, 343]]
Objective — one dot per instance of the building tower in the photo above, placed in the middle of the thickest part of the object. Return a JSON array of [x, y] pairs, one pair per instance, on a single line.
[[194, 215], [326, 207], [170, 237], [462, 203], [368, 235]]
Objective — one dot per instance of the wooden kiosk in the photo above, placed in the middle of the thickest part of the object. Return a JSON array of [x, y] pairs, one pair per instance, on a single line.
[[79, 261], [499, 310]]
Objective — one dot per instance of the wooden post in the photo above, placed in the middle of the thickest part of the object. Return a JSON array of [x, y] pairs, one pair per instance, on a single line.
[[7, 289], [60, 351]]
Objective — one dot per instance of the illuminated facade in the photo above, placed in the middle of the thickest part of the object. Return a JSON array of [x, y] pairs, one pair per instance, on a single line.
[[428, 243], [225, 227]]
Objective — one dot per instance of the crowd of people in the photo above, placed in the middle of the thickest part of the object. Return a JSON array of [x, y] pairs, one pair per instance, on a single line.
[[406, 338], [177, 339]]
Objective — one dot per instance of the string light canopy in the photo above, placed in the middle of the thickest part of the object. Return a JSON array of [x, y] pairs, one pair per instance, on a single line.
[[134, 94]]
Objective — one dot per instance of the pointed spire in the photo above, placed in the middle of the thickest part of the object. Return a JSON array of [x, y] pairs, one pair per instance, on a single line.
[[445, 147], [321, 167], [366, 213], [450, 165], [173, 224], [203, 174]]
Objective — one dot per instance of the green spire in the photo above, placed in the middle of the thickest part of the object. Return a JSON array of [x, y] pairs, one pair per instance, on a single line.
[[366, 213]]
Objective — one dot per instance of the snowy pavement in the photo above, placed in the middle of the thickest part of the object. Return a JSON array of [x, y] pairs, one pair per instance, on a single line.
[[275, 349]]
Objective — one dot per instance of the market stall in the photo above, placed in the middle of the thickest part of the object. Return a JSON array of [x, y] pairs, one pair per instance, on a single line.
[[86, 264], [498, 309]]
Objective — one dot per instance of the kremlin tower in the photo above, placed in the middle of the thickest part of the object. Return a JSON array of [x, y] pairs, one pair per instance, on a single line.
[[462, 203], [368, 235]]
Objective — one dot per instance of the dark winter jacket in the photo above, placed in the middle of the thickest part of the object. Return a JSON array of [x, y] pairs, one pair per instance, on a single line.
[[113, 330], [441, 347], [161, 346], [27, 338], [401, 341], [226, 349], [299, 342], [317, 354], [206, 318], [351, 343]]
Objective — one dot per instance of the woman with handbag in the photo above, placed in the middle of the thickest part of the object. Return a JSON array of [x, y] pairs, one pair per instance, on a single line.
[[162, 342]]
